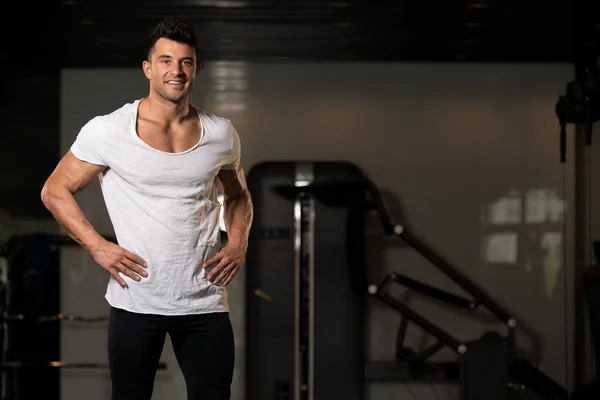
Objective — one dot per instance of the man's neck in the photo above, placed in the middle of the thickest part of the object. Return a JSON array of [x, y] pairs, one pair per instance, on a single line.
[[166, 111]]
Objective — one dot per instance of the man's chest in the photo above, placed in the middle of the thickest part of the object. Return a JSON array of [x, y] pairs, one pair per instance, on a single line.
[[150, 171], [176, 139]]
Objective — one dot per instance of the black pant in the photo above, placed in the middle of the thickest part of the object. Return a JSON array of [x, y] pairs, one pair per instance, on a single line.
[[203, 345]]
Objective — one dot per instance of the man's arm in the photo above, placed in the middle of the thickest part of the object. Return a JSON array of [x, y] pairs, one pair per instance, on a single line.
[[239, 212], [70, 177], [238, 216]]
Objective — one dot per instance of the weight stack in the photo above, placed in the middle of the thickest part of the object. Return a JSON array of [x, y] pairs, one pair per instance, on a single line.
[[305, 315]]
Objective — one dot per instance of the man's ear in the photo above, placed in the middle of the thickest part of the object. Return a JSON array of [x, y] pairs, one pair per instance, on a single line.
[[147, 67]]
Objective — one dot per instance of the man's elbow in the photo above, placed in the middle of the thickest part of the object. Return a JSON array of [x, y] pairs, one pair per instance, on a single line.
[[45, 194], [50, 193]]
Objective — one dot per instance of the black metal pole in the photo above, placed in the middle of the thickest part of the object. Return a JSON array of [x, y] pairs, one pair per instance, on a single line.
[[434, 292]]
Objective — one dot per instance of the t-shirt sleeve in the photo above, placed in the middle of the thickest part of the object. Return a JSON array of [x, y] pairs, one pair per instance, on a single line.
[[89, 144], [233, 160]]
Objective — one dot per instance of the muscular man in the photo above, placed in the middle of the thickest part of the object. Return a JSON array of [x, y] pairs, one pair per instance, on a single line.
[[161, 162]]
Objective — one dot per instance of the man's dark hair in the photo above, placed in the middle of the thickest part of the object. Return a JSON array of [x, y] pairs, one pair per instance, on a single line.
[[175, 29]]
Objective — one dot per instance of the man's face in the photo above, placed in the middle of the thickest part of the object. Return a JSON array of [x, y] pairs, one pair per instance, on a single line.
[[172, 70]]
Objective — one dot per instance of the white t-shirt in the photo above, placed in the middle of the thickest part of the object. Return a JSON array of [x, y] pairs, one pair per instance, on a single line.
[[163, 207]]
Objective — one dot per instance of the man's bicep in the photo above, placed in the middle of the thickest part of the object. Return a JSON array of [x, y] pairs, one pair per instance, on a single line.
[[73, 173], [233, 182]]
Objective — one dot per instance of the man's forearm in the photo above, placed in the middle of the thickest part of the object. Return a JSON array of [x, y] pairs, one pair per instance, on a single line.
[[238, 217], [64, 208]]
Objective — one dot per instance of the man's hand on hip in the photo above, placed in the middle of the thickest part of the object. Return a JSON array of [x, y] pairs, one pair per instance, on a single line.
[[226, 263], [115, 259]]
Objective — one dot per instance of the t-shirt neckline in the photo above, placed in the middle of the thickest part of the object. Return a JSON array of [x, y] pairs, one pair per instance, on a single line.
[[136, 106]]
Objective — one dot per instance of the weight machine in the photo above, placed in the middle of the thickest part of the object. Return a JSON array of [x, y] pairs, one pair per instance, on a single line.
[[307, 288]]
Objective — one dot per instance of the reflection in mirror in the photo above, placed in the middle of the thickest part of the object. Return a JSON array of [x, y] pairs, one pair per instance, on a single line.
[[531, 224]]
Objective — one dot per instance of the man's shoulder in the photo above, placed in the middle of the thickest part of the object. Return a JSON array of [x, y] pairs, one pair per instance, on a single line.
[[213, 119], [219, 125], [107, 122], [121, 114]]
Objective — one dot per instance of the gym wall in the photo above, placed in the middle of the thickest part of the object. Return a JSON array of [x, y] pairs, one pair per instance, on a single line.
[[467, 157], [6, 225]]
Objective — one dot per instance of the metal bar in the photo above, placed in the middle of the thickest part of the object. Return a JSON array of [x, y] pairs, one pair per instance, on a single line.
[[433, 291], [59, 364], [423, 322], [579, 344], [297, 299], [538, 382], [311, 300], [52, 318], [304, 247]]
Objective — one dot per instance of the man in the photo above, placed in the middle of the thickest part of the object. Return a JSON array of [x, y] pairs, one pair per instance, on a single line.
[[160, 162]]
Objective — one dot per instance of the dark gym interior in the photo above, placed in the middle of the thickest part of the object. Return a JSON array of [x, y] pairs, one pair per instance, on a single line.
[[424, 177]]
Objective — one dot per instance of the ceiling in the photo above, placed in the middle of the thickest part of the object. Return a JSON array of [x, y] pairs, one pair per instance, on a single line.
[[113, 33]]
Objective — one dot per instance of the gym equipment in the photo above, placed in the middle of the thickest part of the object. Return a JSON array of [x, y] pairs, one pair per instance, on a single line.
[[579, 105], [31, 321], [32, 288], [305, 298], [482, 366], [306, 292], [591, 286], [538, 382]]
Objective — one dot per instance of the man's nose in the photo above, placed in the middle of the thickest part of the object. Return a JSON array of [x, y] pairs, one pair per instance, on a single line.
[[177, 68]]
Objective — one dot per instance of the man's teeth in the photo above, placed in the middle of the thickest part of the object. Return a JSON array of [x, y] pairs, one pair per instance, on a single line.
[[175, 83]]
